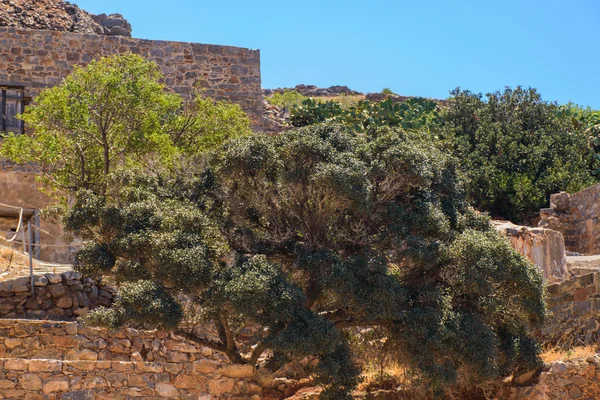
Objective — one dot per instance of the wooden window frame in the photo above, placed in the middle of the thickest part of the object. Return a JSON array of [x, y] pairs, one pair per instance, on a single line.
[[4, 109]]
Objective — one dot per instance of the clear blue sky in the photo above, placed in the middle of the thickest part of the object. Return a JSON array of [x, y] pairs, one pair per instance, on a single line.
[[414, 47]]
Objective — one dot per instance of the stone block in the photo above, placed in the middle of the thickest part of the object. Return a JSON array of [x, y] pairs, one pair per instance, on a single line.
[[237, 371], [53, 385], [167, 390], [30, 381]]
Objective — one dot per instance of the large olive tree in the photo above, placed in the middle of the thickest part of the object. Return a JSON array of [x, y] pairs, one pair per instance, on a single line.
[[306, 235]]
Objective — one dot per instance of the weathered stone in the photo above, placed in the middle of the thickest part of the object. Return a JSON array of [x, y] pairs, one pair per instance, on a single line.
[[54, 278], [57, 290], [40, 281], [30, 381], [544, 247], [190, 382], [237, 371], [167, 390], [56, 385], [64, 302], [205, 366]]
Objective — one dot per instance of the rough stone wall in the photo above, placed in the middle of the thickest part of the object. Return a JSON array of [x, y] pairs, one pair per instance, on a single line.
[[544, 247], [575, 311], [579, 379], [38, 59], [67, 295], [63, 340], [120, 380], [577, 217], [53, 358]]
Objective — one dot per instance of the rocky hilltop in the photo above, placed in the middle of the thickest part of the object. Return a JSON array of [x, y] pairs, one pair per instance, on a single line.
[[59, 15]]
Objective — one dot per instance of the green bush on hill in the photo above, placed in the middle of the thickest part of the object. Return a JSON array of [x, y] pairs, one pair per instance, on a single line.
[[516, 149]]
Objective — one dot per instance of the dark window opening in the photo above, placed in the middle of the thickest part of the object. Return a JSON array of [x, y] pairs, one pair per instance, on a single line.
[[12, 105]]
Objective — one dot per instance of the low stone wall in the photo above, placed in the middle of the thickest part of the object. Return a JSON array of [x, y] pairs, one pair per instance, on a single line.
[[63, 340], [65, 296], [575, 311], [119, 380], [579, 379]]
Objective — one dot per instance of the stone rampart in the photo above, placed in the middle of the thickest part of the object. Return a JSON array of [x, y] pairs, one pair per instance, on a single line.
[[575, 311], [38, 59], [67, 295]]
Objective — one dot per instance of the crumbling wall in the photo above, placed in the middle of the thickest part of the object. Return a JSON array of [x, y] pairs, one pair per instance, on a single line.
[[578, 379], [577, 217], [544, 247]]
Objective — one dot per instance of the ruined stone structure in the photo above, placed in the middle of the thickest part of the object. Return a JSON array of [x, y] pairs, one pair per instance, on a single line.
[[544, 247], [577, 217], [578, 379], [33, 60]]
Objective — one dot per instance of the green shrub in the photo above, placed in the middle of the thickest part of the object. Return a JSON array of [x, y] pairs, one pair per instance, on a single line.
[[287, 99], [516, 149], [414, 113]]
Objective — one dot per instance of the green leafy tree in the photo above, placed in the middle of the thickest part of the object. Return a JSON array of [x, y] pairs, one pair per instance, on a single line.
[[308, 234], [516, 149], [113, 113]]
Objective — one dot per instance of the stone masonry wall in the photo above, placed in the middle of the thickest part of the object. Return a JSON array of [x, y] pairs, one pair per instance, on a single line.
[[38, 59], [67, 295], [120, 380], [53, 358], [577, 217], [575, 311], [578, 379]]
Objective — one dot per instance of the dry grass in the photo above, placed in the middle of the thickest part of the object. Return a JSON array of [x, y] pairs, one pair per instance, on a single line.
[[575, 353], [14, 263]]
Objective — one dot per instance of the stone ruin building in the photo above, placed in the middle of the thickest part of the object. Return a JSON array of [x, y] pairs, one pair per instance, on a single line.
[[31, 60]]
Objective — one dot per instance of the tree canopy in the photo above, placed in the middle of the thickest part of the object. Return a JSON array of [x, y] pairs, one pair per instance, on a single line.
[[310, 233]]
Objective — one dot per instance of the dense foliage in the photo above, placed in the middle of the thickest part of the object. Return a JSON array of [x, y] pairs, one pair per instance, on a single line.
[[412, 114], [113, 113], [307, 234], [516, 150]]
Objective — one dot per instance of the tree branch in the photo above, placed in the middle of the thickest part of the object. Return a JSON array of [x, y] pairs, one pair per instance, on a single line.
[[233, 356]]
